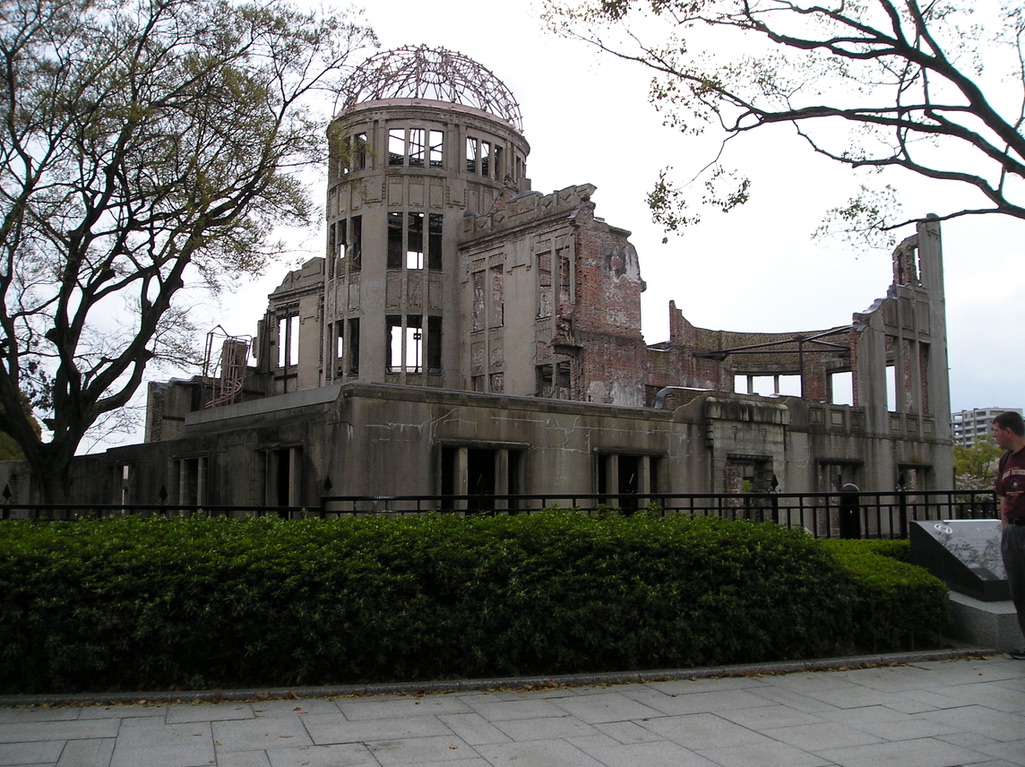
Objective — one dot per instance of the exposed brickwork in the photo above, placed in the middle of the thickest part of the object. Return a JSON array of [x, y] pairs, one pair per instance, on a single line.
[[591, 316]]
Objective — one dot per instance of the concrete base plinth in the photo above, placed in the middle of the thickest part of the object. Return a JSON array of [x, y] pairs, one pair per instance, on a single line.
[[985, 624]]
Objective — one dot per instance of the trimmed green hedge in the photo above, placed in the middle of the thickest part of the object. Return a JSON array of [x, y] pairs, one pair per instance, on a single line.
[[896, 605], [894, 549], [155, 604]]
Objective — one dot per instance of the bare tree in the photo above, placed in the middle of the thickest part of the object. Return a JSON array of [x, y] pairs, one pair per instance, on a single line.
[[144, 145], [872, 84]]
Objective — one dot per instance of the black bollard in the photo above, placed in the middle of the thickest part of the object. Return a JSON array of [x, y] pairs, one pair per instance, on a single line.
[[850, 511]]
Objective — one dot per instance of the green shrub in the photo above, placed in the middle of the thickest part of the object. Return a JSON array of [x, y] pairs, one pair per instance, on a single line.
[[894, 549], [135, 604], [896, 605]]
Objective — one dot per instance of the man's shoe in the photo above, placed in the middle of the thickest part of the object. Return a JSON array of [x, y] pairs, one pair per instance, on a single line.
[[1017, 654]]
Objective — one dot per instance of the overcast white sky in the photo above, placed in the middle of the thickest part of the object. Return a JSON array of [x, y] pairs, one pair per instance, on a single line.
[[588, 120]]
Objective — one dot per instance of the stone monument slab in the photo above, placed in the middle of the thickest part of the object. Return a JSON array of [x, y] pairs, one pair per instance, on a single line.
[[963, 553]]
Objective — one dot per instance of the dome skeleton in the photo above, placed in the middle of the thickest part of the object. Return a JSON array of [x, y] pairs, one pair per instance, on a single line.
[[433, 74]]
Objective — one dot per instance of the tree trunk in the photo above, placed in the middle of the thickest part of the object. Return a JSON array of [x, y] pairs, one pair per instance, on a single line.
[[52, 474]]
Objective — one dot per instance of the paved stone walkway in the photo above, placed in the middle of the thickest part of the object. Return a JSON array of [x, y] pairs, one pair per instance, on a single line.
[[921, 714]]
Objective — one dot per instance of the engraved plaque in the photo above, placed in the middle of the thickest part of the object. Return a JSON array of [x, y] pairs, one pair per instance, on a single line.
[[964, 553]]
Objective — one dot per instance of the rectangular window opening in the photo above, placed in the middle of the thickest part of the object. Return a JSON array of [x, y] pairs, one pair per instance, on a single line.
[[565, 277], [415, 242], [355, 246], [554, 380], [471, 155], [405, 344], [413, 362], [912, 478], [396, 146], [622, 477], [434, 345], [434, 240], [395, 241], [124, 476], [833, 475], [192, 481], [353, 335], [763, 385], [841, 388], [891, 388], [544, 281], [485, 158], [563, 380], [923, 367], [417, 147], [342, 242], [788, 385], [288, 340], [437, 149], [543, 386], [360, 151], [768, 385], [282, 475]]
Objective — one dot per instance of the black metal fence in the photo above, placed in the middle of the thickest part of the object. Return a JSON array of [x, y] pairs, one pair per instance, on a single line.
[[823, 515], [76, 511]]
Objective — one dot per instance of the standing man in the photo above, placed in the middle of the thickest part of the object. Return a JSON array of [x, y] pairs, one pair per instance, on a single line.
[[1009, 433]]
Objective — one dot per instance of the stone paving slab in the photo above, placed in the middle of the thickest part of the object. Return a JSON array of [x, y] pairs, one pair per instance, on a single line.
[[37, 752], [86, 753], [260, 734], [920, 712], [164, 745], [764, 755], [474, 729], [658, 754], [29, 731]]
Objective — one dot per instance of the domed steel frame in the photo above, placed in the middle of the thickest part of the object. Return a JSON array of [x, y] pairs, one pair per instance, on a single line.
[[436, 74]]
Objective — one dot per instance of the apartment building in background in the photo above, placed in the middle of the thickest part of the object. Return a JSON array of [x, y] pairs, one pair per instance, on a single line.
[[968, 425]]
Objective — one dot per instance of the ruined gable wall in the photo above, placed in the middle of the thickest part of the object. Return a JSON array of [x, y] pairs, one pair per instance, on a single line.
[[577, 278], [606, 318], [902, 337], [300, 295]]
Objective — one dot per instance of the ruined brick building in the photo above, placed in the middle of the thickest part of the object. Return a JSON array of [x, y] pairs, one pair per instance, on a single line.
[[463, 333]]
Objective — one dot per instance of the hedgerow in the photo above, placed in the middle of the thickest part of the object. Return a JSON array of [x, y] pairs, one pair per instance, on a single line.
[[136, 603], [895, 605], [898, 549]]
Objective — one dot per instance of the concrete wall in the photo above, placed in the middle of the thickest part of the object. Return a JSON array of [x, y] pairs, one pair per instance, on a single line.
[[381, 439]]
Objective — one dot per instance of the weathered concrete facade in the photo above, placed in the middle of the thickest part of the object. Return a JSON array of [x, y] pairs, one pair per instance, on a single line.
[[465, 334]]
